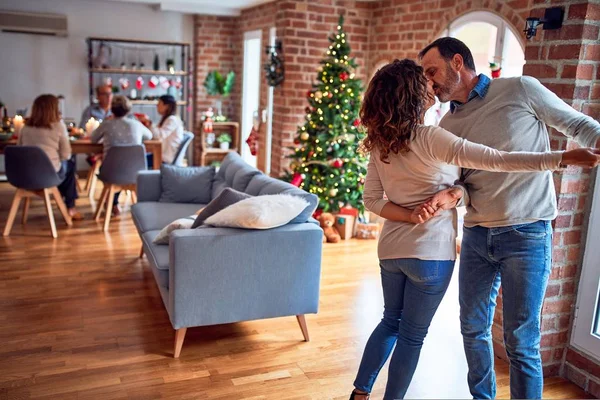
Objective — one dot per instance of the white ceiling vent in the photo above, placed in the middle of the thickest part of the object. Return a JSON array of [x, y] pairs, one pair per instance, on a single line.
[[34, 23]]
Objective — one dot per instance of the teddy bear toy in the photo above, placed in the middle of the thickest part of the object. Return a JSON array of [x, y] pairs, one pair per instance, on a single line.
[[331, 234]]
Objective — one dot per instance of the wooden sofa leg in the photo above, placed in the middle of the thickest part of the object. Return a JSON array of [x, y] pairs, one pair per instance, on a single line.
[[302, 322], [179, 336]]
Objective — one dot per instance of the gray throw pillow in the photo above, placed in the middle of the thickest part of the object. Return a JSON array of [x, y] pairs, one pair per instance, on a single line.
[[227, 197], [186, 184]]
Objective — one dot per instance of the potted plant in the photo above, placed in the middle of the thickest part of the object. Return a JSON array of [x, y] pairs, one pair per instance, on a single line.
[[224, 139], [219, 85]]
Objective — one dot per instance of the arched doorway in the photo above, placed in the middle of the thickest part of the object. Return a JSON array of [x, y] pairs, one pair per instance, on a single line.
[[491, 39]]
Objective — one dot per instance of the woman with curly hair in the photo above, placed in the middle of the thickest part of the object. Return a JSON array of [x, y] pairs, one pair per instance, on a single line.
[[410, 162]]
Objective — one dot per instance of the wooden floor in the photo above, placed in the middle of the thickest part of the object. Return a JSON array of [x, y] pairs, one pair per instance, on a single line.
[[81, 318]]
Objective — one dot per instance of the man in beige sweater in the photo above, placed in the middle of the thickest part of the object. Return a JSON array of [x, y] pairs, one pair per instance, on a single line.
[[507, 235]]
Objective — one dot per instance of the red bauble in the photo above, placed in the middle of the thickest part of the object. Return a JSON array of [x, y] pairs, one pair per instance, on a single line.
[[343, 76], [337, 163], [356, 122], [296, 179], [310, 154], [308, 93], [296, 141], [330, 95]]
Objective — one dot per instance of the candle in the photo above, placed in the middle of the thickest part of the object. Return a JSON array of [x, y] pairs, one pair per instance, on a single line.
[[18, 123], [91, 125]]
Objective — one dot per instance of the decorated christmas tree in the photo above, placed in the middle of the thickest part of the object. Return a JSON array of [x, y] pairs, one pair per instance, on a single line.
[[326, 160]]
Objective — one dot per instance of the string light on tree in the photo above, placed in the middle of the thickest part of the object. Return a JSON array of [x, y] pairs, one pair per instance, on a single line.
[[327, 162]]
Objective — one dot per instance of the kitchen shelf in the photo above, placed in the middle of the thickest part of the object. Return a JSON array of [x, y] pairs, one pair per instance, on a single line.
[[136, 72]]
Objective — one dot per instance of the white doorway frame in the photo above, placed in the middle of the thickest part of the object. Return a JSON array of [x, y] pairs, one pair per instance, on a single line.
[[250, 89]]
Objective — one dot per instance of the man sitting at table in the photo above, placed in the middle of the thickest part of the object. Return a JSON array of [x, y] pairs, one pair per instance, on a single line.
[[120, 131], [99, 111]]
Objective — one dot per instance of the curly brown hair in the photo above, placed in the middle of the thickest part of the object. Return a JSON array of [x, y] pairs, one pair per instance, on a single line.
[[394, 104]]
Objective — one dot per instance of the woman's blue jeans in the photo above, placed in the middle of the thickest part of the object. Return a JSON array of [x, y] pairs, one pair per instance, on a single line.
[[412, 292]]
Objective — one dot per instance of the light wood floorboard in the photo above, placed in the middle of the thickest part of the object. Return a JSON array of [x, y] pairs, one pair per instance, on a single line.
[[81, 318]]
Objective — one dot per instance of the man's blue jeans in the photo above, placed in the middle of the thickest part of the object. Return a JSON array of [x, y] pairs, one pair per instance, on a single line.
[[412, 292], [520, 255]]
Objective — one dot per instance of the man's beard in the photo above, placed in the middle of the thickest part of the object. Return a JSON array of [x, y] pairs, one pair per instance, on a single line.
[[447, 89]]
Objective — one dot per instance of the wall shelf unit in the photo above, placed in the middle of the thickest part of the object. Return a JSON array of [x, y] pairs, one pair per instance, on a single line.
[[205, 154], [122, 61]]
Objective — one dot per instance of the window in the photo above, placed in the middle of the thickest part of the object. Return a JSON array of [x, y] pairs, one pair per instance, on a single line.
[[586, 329], [490, 39]]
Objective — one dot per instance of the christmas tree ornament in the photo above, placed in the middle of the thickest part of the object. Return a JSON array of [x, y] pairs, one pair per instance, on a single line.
[[304, 136], [343, 76], [337, 163], [252, 141], [153, 82], [336, 146], [139, 83], [318, 95], [296, 179], [333, 192], [296, 141], [356, 123]]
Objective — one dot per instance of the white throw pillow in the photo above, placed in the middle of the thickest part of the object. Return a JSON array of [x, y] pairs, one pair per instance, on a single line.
[[260, 212], [181, 223]]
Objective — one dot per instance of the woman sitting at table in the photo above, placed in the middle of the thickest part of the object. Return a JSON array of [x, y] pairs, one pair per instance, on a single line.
[[120, 131], [169, 129], [45, 129]]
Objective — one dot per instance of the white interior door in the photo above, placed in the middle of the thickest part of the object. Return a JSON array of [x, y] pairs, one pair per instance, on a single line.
[[250, 89]]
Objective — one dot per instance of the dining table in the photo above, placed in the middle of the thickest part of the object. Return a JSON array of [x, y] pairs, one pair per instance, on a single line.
[[85, 146]]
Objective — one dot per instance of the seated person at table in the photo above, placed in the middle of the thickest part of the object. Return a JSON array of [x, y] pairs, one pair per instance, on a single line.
[[99, 111], [169, 129], [120, 131], [45, 130]]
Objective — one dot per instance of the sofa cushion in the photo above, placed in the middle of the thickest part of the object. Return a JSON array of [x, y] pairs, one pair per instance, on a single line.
[[261, 212], [153, 215], [226, 198], [277, 186], [186, 184], [158, 255], [257, 183], [181, 223]]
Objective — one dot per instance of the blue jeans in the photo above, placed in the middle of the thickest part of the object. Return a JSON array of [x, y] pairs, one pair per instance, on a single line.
[[68, 185], [412, 292], [521, 255]]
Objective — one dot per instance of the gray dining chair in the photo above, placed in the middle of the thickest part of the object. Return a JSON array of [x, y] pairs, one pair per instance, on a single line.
[[118, 172], [30, 170], [187, 139]]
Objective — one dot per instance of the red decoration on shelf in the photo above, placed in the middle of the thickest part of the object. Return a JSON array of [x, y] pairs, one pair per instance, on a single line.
[[153, 82], [337, 163], [356, 122], [343, 76], [296, 179], [139, 83]]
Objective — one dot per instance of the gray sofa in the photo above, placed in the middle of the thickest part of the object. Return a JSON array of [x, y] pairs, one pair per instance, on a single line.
[[210, 275]]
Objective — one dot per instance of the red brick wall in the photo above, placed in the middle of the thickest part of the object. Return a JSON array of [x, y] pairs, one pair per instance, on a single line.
[[402, 28], [568, 62], [303, 27], [215, 47]]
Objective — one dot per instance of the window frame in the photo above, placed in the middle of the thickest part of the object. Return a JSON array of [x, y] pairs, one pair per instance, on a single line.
[[587, 306]]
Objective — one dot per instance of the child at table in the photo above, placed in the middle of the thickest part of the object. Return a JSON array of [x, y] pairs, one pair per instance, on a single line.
[[120, 131]]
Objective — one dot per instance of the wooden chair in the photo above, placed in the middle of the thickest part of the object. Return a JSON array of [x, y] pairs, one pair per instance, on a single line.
[[119, 172], [92, 178], [30, 170]]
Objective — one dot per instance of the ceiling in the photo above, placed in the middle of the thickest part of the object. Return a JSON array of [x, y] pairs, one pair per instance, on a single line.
[[210, 7]]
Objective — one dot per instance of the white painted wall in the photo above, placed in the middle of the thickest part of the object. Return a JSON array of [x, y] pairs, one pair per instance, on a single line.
[[31, 65]]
